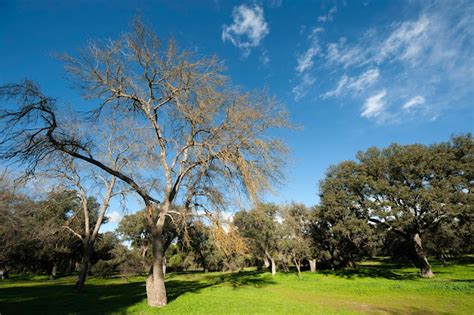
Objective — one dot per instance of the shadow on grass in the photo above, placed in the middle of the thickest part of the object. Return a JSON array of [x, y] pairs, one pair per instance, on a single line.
[[235, 280], [386, 270], [61, 298]]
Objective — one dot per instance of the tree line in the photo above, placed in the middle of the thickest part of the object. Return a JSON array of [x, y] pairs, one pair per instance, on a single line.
[[408, 202]]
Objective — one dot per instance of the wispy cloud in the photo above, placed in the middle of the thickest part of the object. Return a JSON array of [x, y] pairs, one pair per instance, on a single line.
[[304, 63], [413, 102], [412, 60], [264, 59], [304, 84], [374, 105], [346, 56], [356, 84], [406, 42], [247, 29], [328, 16]]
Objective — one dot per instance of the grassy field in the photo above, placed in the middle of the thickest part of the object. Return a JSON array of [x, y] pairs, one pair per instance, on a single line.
[[373, 288]]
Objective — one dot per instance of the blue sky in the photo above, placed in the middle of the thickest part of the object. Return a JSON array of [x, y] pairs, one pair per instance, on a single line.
[[352, 74]]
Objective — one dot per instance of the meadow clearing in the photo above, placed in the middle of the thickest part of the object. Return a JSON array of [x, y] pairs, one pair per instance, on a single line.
[[375, 287]]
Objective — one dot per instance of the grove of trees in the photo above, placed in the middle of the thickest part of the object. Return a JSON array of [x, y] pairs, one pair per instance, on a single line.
[[166, 127]]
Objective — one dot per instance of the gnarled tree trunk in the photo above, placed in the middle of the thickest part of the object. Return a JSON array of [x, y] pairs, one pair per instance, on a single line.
[[312, 265], [421, 259]]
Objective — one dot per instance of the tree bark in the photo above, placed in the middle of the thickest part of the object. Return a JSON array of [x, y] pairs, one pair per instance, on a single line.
[[53, 271], [155, 283], [164, 266], [85, 265], [70, 267], [421, 259], [298, 266], [274, 269], [266, 262], [312, 265]]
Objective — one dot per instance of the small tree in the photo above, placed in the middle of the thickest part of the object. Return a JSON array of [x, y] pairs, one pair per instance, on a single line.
[[296, 242], [260, 225]]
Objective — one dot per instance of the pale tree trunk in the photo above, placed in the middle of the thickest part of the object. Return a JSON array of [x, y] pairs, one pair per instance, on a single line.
[[85, 265], [312, 265], [53, 272], [266, 262], [422, 260], [145, 266], [274, 269], [164, 266], [155, 282], [272, 263], [298, 266]]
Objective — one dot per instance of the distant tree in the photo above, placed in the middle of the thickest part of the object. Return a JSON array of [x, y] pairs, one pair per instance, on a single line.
[[16, 234], [200, 139], [134, 228], [199, 241], [54, 247], [296, 242], [261, 226], [32, 234], [341, 226]]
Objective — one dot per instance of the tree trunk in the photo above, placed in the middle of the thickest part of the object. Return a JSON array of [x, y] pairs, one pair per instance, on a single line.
[[266, 262], [298, 267], [312, 265], [274, 269], [70, 267], [53, 271], [3, 273], [422, 261], [155, 283], [85, 265], [164, 266]]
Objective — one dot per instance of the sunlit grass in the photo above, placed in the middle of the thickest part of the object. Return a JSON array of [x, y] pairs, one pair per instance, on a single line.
[[373, 288]]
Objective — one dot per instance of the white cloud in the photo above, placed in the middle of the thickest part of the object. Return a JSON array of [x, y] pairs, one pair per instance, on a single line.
[[407, 41], [339, 54], [356, 84], [374, 105], [264, 59], [248, 28], [301, 89], [115, 217], [329, 16], [415, 101], [428, 56], [305, 61]]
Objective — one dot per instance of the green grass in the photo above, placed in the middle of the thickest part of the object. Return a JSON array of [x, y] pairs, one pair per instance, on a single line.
[[375, 287]]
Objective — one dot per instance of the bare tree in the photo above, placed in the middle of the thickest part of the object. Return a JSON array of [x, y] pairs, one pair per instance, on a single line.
[[202, 140], [90, 230]]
